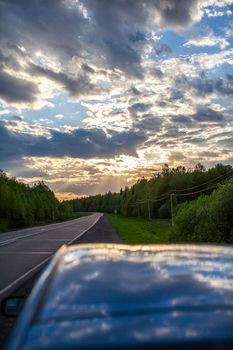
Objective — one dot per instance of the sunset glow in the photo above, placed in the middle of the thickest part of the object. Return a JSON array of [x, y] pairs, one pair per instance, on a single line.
[[106, 92]]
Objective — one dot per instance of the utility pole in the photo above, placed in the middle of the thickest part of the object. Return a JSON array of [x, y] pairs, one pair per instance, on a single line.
[[148, 202], [172, 215]]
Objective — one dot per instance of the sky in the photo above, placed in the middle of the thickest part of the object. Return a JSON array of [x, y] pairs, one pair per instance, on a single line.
[[95, 94]]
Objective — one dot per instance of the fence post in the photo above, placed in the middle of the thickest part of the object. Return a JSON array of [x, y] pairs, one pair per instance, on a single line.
[[172, 214], [149, 214]]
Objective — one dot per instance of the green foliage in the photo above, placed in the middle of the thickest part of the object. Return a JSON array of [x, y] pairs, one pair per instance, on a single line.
[[198, 217], [207, 219], [164, 211], [169, 180], [22, 206]]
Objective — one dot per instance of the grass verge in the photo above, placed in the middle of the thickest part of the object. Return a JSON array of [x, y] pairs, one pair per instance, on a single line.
[[140, 231]]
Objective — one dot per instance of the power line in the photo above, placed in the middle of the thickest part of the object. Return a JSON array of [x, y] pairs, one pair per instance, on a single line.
[[205, 183], [196, 186], [188, 194], [151, 200], [159, 199], [167, 194]]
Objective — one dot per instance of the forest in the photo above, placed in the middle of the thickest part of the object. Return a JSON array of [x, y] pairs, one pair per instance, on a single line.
[[23, 206], [198, 201]]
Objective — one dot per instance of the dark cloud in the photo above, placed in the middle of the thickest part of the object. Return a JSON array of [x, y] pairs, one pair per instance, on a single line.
[[121, 24], [203, 114], [162, 143], [183, 120], [149, 122], [137, 37], [124, 57], [176, 95], [50, 25], [17, 118], [227, 142], [206, 114], [75, 86], [173, 133], [79, 143], [17, 90], [139, 107], [229, 77], [156, 72], [134, 91], [87, 68], [162, 104], [195, 140], [113, 31], [177, 13], [9, 57], [209, 154], [162, 49], [176, 156], [114, 16], [222, 134], [26, 172], [206, 86]]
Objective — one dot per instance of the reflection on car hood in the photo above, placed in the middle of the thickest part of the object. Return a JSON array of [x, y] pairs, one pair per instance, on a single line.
[[128, 332], [117, 280]]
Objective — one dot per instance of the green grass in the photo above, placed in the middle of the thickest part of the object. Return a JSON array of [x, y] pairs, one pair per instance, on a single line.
[[140, 231]]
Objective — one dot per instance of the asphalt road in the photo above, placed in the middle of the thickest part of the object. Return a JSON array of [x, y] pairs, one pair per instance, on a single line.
[[24, 250], [101, 232]]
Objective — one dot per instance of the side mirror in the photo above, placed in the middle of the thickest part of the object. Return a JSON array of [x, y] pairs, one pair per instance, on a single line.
[[12, 306]]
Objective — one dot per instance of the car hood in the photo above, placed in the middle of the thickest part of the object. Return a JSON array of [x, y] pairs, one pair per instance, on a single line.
[[113, 296], [184, 327], [113, 280]]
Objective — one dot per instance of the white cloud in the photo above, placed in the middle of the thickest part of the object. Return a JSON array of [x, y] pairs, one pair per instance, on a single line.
[[5, 111], [217, 3], [217, 13], [59, 116], [116, 76], [210, 40]]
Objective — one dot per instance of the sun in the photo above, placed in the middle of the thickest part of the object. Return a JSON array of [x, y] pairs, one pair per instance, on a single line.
[[130, 162]]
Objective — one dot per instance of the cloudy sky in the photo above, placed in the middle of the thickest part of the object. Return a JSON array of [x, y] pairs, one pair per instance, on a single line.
[[95, 94]]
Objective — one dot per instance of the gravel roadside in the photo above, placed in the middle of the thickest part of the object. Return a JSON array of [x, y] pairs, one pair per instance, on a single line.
[[102, 232]]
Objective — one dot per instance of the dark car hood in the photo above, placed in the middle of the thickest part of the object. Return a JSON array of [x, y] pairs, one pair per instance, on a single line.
[[173, 327], [107, 281], [118, 295]]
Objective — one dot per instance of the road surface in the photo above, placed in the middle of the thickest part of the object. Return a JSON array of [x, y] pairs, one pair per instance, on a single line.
[[101, 232], [23, 251]]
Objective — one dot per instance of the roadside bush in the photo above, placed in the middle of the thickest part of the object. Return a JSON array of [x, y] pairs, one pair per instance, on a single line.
[[191, 221], [165, 210], [221, 212], [207, 219]]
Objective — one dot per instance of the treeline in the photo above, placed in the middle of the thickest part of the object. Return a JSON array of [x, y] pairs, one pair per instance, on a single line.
[[207, 219], [22, 206], [199, 202], [152, 197]]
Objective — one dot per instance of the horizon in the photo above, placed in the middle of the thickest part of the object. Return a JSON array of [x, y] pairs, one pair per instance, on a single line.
[[66, 196], [95, 95]]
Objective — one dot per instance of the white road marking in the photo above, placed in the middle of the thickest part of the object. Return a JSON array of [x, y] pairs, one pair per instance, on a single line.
[[12, 240], [30, 272], [18, 280], [27, 253]]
